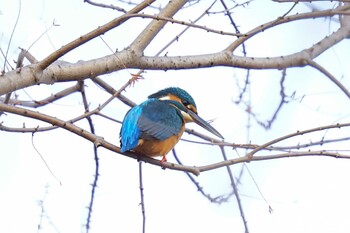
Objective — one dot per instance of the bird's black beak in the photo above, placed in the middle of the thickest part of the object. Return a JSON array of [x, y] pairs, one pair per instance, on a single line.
[[197, 119]]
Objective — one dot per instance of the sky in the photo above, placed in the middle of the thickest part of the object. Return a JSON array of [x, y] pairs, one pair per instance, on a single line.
[[306, 194]]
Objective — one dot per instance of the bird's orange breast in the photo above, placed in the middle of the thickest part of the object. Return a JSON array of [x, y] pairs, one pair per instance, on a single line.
[[155, 147]]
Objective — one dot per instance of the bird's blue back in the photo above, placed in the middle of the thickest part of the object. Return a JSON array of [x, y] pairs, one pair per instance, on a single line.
[[152, 119]]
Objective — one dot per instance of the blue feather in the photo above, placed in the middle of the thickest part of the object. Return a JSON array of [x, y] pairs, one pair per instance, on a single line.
[[152, 119], [159, 119], [130, 133], [182, 94]]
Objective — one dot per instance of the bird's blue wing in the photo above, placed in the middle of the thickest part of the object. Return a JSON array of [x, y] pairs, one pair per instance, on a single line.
[[159, 120], [153, 119], [130, 133]]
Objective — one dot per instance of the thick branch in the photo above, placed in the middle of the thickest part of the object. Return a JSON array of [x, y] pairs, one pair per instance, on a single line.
[[148, 34], [62, 71], [91, 35], [246, 159], [98, 141], [288, 19]]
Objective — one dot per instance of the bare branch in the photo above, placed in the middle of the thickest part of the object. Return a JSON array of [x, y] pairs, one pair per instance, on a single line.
[[48, 100], [142, 203], [148, 34], [235, 191], [246, 159], [111, 6], [112, 91], [12, 33], [287, 19], [250, 156], [96, 158], [189, 24], [63, 71], [91, 35], [268, 123], [217, 199], [330, 76], [98, 141]]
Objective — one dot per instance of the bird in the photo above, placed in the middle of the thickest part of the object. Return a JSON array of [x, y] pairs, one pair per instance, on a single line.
[[154, 127]]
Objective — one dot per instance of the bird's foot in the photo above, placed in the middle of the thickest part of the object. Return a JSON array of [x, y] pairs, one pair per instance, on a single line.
[[164, 160]]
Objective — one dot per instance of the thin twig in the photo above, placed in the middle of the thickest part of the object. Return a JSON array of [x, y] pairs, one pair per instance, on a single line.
[[12, 33], [217, 199], [142, 203], [268, 123], [94, 183], [43, 102], [91, 35], [111, 6], [330, 76], [155, 26], [246, 159], [44, 161], [188, 24], [235, 191], [112, 91], [281, 20], [42, 208]]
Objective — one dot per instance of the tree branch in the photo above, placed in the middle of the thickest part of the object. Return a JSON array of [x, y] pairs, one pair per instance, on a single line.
[[63, 71], [111, 6], [330, 76], [43, 102], [247, 159], [91, 35], [149, 33], [288, 19], [97, 140], [235, 191]]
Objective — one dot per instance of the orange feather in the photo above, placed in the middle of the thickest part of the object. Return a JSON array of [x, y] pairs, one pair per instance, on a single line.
[[153, 148]]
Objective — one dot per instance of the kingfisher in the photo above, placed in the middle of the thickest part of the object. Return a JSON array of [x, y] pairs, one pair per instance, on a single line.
[[155, 126]]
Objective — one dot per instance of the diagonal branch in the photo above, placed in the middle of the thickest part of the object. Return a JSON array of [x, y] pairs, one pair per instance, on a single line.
[[217, 199], [96, 158], [330, 76], [64, 71], [288, 19], [235, 191], [91, 35], [98, 141], [111, 6], [150, 32], [48, 100], [246, 159]]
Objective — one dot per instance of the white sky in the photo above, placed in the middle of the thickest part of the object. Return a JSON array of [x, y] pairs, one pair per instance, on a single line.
[[307, 194]]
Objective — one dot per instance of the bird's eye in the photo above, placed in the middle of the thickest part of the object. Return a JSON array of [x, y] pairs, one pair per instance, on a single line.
[[185, 103]]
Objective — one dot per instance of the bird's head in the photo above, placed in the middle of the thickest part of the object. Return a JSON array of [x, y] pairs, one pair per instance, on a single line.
[[184, 102]]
